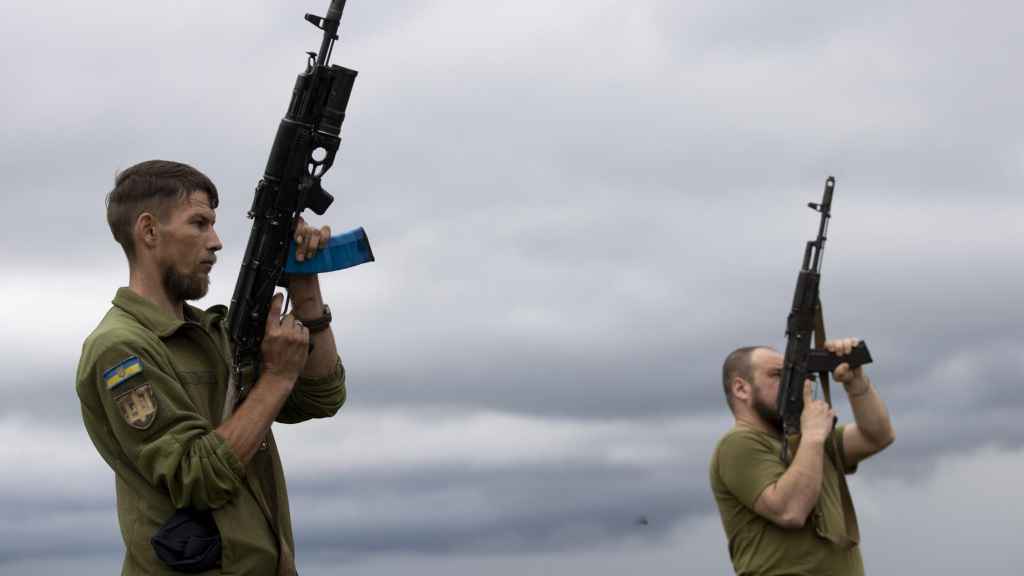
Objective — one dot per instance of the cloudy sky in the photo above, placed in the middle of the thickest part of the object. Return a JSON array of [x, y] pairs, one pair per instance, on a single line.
[[578, 209]]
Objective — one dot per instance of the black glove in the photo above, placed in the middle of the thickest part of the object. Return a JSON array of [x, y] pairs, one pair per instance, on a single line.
[[189, 541]]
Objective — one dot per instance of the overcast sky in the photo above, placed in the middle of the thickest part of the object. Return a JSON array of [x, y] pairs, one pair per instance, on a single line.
[[578, 208]]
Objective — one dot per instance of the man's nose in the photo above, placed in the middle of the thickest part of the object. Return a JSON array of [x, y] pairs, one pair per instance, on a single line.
[[214, 242]]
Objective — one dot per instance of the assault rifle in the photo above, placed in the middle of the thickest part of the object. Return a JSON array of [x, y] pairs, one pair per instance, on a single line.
[[801, 361], [304, 150]]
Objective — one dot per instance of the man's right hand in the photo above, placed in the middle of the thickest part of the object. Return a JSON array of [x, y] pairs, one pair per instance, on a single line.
[[789, 501], [817, 419], [285, 345]]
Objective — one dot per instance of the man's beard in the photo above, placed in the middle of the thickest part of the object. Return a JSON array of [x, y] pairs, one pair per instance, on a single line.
[[769, 413], [182, 287]]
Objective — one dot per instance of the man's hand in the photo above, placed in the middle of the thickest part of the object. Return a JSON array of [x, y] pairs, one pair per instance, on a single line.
[[304, 290], [817, 418], [308, 239], [789, 501], [285, 344], [871, 430], [284, 348], [842, 373]]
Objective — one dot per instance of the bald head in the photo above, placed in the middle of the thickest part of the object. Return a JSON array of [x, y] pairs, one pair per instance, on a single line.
[[739, 363]]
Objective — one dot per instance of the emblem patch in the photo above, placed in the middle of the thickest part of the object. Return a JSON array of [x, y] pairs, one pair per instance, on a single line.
[[122, 372], [138, 406]]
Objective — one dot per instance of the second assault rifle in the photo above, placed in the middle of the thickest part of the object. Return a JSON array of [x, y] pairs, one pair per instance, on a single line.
[[304, 149], [801, 361]]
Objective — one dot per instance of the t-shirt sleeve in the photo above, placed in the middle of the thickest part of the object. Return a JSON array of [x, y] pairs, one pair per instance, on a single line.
[[747, 464], [837, 435], [154, 422]]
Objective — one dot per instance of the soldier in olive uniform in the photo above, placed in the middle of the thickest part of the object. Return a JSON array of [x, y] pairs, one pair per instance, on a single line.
[[153, 382], [797, 519]]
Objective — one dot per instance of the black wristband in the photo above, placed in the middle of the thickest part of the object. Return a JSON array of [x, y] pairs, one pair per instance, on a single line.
[[320, 324]]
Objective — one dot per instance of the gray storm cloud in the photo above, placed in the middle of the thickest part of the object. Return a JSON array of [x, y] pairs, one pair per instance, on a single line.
[[577, 211]]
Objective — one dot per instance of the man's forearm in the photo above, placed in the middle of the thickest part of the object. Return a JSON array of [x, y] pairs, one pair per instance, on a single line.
[[308, 303], [869, 411], [800, 486], [247, 427]]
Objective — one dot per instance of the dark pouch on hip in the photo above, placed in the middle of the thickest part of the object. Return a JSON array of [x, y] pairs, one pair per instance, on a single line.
[[188, 542]]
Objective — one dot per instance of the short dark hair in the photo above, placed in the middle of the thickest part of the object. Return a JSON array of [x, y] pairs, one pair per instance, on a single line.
[[738, 363], [150, 186]]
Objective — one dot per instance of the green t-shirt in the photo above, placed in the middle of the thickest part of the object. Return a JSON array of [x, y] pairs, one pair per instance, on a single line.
[[744, 464]]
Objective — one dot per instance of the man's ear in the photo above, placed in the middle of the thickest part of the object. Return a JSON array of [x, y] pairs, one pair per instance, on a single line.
[[146, 231], [741, 389]]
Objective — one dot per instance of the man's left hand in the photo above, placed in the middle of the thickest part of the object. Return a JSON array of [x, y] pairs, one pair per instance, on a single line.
[[842, 373], [309, 240]]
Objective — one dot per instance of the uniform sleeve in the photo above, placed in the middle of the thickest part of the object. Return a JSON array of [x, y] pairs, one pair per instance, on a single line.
[[747, 465], [315, 397], [837, 434], [159, 430]]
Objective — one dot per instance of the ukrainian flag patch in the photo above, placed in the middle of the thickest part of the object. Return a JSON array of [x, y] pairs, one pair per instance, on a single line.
[[122, 372]]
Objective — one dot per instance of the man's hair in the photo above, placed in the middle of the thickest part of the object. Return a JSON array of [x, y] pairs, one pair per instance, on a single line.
[[152, 186], [738, 363]]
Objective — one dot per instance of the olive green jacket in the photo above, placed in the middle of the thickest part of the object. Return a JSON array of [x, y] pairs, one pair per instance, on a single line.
[[152, 391]]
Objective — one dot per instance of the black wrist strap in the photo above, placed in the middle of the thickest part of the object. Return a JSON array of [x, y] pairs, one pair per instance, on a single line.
[[320, 324]]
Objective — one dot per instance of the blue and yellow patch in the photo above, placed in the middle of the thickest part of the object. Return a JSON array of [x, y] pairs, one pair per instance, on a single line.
[[122, 372]]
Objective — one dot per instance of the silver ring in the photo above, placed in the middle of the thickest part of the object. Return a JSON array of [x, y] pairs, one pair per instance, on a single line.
[[299, 323]]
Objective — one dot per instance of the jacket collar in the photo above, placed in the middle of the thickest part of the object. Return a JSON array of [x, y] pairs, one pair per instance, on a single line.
[[153, 317]]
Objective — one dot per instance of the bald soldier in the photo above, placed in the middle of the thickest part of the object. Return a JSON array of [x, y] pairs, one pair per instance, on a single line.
[[795, 519], [199, 488]]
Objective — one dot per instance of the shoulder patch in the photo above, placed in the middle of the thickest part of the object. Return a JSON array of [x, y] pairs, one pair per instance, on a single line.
[[122, 372], [138, 406]]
